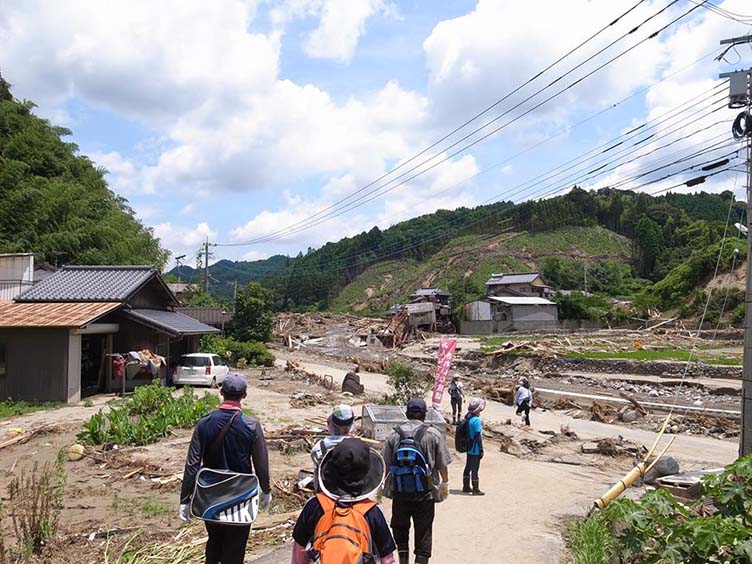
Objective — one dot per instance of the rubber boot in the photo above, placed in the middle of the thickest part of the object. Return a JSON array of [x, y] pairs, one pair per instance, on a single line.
[[466, 484], [421, 560], [404, 557], [476, 488]]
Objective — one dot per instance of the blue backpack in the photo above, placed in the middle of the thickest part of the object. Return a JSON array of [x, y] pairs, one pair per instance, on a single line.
[[409, 468]]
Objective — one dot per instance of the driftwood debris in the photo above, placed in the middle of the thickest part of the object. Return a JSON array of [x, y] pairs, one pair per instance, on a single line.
[[634, 402], [26, 436]]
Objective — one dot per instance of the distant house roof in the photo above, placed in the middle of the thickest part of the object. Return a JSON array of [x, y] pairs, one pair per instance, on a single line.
[[94, 284], [414, 309], [208, 315], [179, 288], [170, 322], [431, 292], [513, 278], [69, 314], [520, 301]]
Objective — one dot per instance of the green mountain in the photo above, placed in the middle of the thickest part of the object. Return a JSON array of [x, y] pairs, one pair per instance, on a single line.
[[658, 251]]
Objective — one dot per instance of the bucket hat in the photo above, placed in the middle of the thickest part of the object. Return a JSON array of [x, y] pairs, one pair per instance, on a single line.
[[351, 471]]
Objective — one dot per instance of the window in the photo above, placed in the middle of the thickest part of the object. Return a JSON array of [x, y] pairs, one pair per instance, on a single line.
[[217, 361], [3, 365], [186, 360]]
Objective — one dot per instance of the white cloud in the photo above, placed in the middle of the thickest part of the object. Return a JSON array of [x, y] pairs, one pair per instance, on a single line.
[[267, 222], [444, 187], [184, 239], [122, 173], [146, 60], [477, 58], [341, 25], [188, 209]]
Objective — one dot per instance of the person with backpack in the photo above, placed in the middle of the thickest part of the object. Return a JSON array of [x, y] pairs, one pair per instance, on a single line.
[[472, 426], [523, 399], [418, 478], [340, 424], [341, 525], [227, 439], [456, 394]]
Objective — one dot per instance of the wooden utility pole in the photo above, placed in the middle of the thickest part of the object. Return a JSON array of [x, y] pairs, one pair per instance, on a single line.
[[740, 97]]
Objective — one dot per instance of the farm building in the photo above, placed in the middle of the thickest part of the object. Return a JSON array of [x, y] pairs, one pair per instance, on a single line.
[[499, 314], [58, 338]]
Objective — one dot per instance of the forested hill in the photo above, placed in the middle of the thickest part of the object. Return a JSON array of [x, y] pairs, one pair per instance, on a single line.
[[634, 244], [56, 204]]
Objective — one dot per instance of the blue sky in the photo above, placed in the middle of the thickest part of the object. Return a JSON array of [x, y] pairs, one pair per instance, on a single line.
[[235, 119]]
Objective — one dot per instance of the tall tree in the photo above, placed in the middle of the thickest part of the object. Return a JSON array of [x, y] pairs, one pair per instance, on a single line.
[[253, 313], [55, 203]]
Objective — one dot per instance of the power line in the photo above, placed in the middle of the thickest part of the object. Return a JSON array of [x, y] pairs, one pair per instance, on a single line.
[[375, 193], [609, 146], [472, 119]]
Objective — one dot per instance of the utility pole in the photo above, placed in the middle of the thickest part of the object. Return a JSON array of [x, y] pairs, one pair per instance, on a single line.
[[177, 262], [740, 96], [206, 265], [585, 274]]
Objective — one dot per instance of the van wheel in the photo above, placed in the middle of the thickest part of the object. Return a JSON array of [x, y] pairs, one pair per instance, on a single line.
[[213, 382]]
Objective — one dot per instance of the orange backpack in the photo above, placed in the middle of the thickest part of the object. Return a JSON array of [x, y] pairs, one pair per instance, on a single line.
[[342, 535]]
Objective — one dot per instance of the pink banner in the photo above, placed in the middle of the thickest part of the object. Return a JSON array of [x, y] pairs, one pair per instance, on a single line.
[[446, 354]]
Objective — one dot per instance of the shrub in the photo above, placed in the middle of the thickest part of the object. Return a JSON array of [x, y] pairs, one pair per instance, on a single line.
[[234, 351], [35, 500], [148, 416], [407, 383], [658, 528]]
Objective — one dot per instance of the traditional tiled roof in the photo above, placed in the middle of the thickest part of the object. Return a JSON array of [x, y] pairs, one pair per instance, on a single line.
[[170, 322], [520, 301], [92, 284], [430, 292], [512, 278]]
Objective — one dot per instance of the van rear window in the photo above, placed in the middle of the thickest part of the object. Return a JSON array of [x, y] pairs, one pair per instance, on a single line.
[[194, 361]]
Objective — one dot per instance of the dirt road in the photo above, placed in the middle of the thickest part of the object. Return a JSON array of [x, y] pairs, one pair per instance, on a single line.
[[520, 518]]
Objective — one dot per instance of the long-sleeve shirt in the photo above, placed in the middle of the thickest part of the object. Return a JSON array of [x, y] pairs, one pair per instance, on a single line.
[[522, 394], [243, 449]]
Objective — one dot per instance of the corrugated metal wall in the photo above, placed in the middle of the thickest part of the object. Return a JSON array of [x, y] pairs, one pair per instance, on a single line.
[[36, 364]]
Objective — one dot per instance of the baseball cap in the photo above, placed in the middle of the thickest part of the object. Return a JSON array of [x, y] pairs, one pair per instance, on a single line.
[[234, 385], [416, 405], [342, 415]]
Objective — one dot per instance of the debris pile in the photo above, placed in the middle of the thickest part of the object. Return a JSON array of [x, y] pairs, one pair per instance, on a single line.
[[611, 446], [323, 380], [300, 400]]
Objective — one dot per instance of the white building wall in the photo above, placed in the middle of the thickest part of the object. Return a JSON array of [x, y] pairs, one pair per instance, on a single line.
[[16, 274]]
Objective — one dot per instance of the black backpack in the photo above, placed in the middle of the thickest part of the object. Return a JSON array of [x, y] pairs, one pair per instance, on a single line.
[[462, 441]]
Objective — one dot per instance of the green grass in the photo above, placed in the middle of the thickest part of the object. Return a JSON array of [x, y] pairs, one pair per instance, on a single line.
[[10, 408], [144, 506], [679, 355], [590, 541]]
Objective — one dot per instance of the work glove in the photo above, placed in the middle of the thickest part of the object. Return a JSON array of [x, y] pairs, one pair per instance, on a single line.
[[184, 513], [265, 500], [444, 491]]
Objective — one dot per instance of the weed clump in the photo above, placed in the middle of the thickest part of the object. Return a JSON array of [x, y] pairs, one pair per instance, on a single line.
[[35, 500], [148, 416]]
